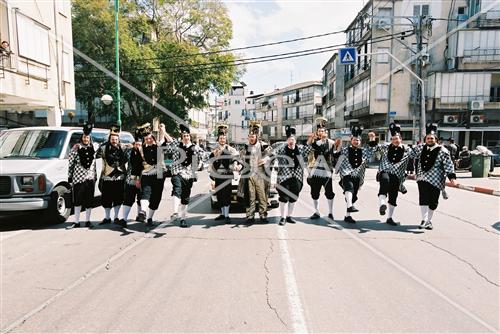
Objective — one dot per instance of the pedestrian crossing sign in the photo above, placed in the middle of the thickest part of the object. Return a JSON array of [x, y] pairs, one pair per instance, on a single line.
[[348, 56]]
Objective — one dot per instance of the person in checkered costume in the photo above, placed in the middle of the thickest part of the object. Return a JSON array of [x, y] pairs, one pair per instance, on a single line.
[[320, 166], [82, 176], [435, 165], [291, 164], [392, 171], [133, 178], [153, 171], [186, 156], [114, 160], [223, 162], [351, 167]]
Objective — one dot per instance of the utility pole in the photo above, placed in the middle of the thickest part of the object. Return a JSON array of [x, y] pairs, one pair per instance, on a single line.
[[420, 103], [117, 65]]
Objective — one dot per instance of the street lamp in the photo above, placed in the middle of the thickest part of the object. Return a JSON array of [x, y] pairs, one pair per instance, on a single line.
[[107, 99]]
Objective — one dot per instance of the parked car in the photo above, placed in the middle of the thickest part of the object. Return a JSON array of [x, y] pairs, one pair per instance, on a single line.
[[34, 169], [272, 196]]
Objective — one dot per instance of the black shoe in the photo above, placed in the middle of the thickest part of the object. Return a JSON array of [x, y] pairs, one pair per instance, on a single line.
[[183, 223], [290, 220], [330, 216], [263, 220], [116, 221], [105, 221], [315, 216], [390, 221], [88, 224], [282, 222], [352, 209], [428, 226], [422, 225], [349, 219], [250, 221], [141, 217], [403, 189], [149, 222], [220, 217], [227, 220], [382, 209], [74, 225], [122, 223]]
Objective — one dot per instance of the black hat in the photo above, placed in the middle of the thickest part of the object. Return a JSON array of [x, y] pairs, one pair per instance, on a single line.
[[145, 129], [321, 122], [87, 128], [356, 130], [290, 132], [222, 129], [431, 129], [184, 129], [254, 128], [395, 129], [114, 130]]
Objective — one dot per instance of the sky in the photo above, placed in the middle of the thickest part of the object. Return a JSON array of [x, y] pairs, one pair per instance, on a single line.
[[259, 22]]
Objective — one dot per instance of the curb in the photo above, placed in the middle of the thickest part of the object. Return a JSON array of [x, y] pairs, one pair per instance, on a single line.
[[481, 190]]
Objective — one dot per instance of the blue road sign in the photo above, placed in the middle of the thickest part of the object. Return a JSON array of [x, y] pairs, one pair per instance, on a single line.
[[348, 56], [392, 113]]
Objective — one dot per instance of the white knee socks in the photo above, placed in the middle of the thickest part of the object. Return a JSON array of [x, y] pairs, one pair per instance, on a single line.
[[87, 214], [126, 211], [348, 198], [226, 211], [381, 199], [151, 213], [77, 210], [424, 210], [290, 209], [316, 205], [431, 213], [391, 211], [183, 211], [177, 203], [282, 209], [330, 206], [107, 213], [116, 209]]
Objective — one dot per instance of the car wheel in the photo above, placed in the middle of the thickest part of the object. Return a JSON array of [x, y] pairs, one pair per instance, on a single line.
[[59, 205]]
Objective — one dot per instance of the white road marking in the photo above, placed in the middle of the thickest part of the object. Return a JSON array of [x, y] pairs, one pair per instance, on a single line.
[[294, 303]]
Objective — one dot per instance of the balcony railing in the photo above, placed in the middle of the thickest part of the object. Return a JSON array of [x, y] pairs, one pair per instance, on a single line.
[[23, 66], [481, 55], [467, 99]]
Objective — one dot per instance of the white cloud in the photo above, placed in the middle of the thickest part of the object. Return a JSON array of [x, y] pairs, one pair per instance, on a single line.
[[258, 22]]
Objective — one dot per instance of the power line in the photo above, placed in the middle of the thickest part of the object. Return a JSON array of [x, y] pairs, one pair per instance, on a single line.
[[173, 70], [250, 60], [247, 47]]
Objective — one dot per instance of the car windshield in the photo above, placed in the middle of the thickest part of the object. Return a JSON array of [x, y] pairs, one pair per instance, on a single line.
[[31, 144]]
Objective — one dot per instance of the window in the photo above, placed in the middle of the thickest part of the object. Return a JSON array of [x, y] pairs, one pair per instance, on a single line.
[[66, 67], [285, 114], [297, 112], [236, 101], [33, 39], [226, 115], [242, 112], [382, 91], [243, 124], [383, 58], [420, 10]]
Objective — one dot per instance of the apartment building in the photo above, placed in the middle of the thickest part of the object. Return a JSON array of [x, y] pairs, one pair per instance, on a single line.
[[296, 105], [36, 77], [463, 93], [233, 111]]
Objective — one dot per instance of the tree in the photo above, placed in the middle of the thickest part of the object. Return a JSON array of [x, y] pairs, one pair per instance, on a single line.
[[173, 51]]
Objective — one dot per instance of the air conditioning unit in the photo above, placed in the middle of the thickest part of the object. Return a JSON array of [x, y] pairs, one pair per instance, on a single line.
[[426, 59], [450, 119], [476, 105], [383, 23], [477, 119]]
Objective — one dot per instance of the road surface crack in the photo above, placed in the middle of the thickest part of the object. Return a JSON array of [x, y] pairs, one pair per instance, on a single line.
[[462, 260], [268, 274]]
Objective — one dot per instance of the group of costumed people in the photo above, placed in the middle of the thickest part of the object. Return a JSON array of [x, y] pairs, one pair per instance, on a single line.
[[136, 173]]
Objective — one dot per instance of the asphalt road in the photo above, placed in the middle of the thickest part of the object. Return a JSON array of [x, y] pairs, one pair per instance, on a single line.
[[305, 277]]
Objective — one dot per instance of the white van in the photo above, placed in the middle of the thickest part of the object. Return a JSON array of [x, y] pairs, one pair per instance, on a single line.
[[34, 169]]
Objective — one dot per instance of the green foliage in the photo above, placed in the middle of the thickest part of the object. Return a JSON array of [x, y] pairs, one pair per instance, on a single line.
[[163, 48]]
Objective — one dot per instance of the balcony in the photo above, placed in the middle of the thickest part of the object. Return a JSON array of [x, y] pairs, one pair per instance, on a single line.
[[481, 55]]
